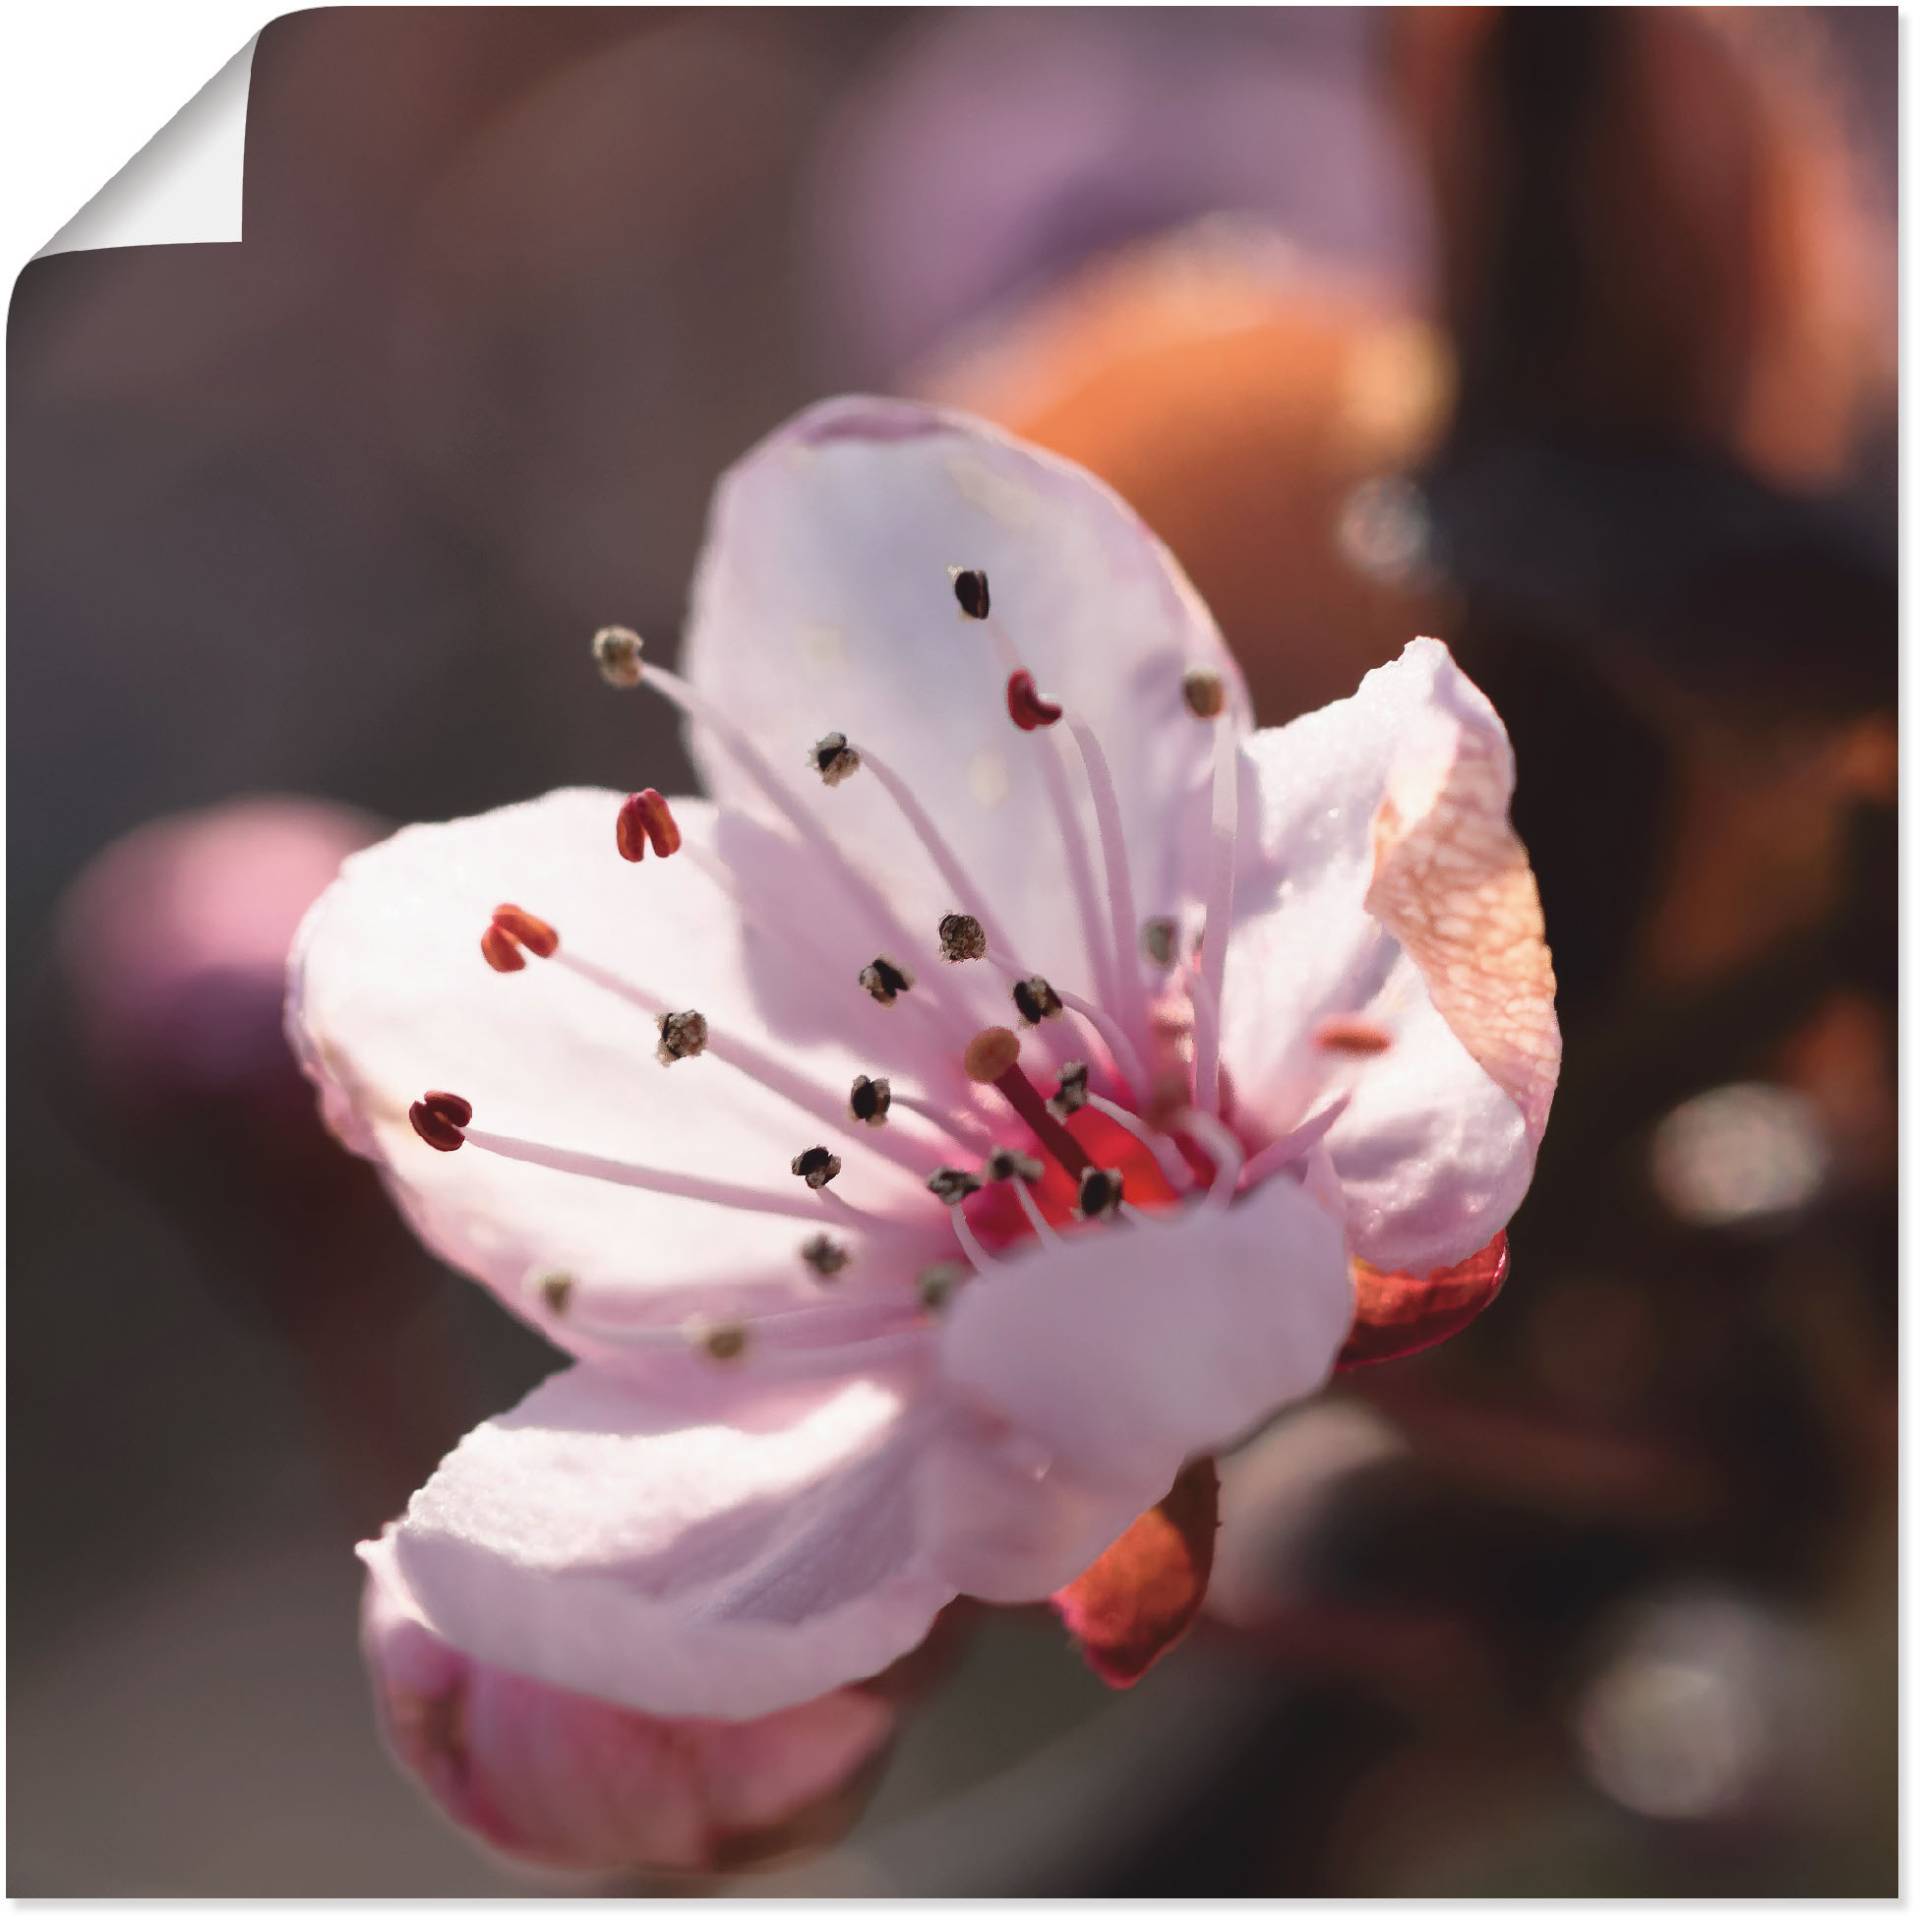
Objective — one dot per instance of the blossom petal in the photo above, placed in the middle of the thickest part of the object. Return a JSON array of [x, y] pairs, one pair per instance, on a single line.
[[1139, 1598], [823, 604], [564, 1780], [1403, 1313], [390, 997], [1127, 1350], [1382, 895], [722, 1564]]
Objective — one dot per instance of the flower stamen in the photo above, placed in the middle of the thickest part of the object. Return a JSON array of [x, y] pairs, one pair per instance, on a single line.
[[645, 820], [682, 1036], [1357, 1038], [441, 1120], [1025, 707], [885, 981], [816, 1166], [1101, 1191], [869, 1100], [970, 589]]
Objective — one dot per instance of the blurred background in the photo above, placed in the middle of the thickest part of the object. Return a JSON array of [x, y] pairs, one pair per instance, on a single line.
[[1565, 334]]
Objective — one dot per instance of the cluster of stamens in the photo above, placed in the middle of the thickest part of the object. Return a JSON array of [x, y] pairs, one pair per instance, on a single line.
[[990, 1057]]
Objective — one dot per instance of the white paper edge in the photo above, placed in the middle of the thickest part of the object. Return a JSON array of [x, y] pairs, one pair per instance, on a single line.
[[184, 186]]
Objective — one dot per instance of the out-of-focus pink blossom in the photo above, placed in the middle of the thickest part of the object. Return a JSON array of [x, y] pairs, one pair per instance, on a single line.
[[173, 943], [561, 1780], [863, 1315]]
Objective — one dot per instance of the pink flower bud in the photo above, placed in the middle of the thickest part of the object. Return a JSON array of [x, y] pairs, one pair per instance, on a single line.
[[560, 1779]]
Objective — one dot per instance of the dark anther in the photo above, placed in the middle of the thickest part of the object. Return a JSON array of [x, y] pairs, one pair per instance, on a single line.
[[833, 759], [1071, 1094], [556, 1290], [885, 981], [938, 1282], [816, 1166], [616, 651], [1025, 707], [724, 1340], [825, 1255], [951, 1185], [870, 1100], [1100, 1192], [970, 589], [1008, 1163], [1204, 691], [1159, 941], [682, 1035], [1035, 1000], [962, 937]]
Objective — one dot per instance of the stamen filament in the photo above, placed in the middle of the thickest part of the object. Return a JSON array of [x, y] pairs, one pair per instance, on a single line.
[[683, 1186], [961, 884], [1129, 994], [1297, 1144], [1035, 1218], [1222, 1149], [983, 1261], [1167, 1156], [1223, 839], [1094, 928]]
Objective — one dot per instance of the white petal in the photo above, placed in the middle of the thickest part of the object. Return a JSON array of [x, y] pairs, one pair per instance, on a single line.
[[824, 604]]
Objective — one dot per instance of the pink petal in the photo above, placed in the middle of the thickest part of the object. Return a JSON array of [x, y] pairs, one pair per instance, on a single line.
[[1126, 1351], [1379, 816], [565, 1780], [824, 604], [390, 997]]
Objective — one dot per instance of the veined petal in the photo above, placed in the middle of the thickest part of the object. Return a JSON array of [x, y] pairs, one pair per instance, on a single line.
[[1405, 1313], [1124, 1352], [390, 997], [1384, 895], [723, 1565], [824, 604]]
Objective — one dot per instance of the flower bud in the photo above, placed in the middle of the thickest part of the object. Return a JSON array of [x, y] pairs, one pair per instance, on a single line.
[[559, 1779]]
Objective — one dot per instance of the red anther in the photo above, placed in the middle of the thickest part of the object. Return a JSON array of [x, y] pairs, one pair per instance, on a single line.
[[500, 950], [1358, 1037], [646, 819], [528, 929], [439, 1120], [1025, 706]]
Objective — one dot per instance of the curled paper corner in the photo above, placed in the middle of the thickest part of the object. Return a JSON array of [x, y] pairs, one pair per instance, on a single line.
[[184, 185]]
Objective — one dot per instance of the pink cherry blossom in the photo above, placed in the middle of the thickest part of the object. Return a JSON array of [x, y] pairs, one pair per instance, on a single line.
[[968, 1113]]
